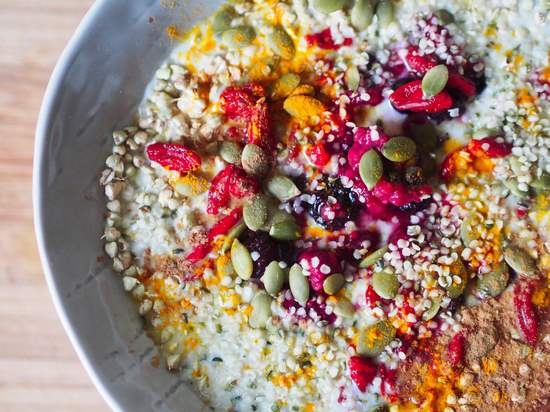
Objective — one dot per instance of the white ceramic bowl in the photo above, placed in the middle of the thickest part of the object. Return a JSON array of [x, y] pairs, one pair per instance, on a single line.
[[96, 87]]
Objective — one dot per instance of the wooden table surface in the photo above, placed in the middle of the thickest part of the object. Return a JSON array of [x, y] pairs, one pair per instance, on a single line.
[[39, 370]]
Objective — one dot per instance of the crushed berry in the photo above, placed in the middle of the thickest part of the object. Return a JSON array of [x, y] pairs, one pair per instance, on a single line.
[[319, 264], [267, 249]]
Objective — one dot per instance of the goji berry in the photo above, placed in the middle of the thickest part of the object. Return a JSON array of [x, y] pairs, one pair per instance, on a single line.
[[371, 297], [409, 97], [455, 349], [242, 185], [174, 156], [461, 84], [491, 147], [318, 155], [362, 371], [525, 313], [259, 128], [237, 102], [417, 63], [448, 167], [218, 194]]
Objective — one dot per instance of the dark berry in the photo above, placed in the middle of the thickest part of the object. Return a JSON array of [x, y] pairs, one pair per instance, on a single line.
[[267, 248], [333, 205], [414, 175], [414, 207]]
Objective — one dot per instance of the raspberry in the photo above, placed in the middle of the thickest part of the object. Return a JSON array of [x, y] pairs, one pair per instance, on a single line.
[[417, 63], [174, 156], [365, 139], [362, 371], [319, 264], [318, 155], [324, 40]]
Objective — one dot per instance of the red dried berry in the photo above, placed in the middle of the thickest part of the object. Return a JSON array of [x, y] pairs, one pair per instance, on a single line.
[[324, 40], [259, 129], [174, 156], [525, 313], [371, 297], [409, 97], [318, 155], [448, 167], [218, 194], [461, 84], [362, 371], [492, 147], [237, 102], [455, 349], [242, 185], [417, 63]]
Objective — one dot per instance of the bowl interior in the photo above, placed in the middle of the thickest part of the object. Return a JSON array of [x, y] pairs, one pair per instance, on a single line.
[[96, 87]]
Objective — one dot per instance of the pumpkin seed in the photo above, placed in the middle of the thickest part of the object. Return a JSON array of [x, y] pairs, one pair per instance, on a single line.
[[520, 261], [284, 86], [286, 230], [261, 310], [278, 216], [281, 43], [224, 268], [238, 37], [432, 311], [385, 13], [273, 278], [371, 168], [328, 6], [424, 135], [255, 213], [361, 14], [435, 80], [399, 149], [468, 231], [254, 160], [222, 19], [385, 284], [344, 308], [444, 16], [234, 233], [304, 90], [374, 257], [282, 188], [352, 78], [299, 285], [542, 183], [230, 152], [241, 260], [493, 283], [333, 283], [373, 339], [456, 289], [513, 186]]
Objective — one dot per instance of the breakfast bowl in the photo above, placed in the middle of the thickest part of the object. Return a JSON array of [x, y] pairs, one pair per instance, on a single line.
[[311, 205], [96, 86]]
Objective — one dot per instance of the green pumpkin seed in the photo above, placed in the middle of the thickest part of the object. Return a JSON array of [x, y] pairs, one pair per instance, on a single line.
[[520, 261], [456, 289], [273, 278], [542, 183], [328, 6], [373, 339], [254, 160], [230, 152], [284, 86], [333, 283], [435, 80], [385, 13], [344, 308], [468, 231], [299, 285], [238, 37], [352, 78], [234, 233], [493, 283], [286, 230], [513, 186], [373, 258], [371, 168], [444, 16], [281, 43], [424, 135], [385, 284], [361, 14], [432, 311], [261, 310], [241, 260], [282, 188], [222, 19], [255, 213], [399, 149]]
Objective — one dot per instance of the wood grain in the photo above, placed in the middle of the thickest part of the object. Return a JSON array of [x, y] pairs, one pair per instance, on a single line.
[[39, 370]]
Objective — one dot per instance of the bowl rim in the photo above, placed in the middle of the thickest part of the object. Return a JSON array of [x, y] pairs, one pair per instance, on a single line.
[[55, 84]]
